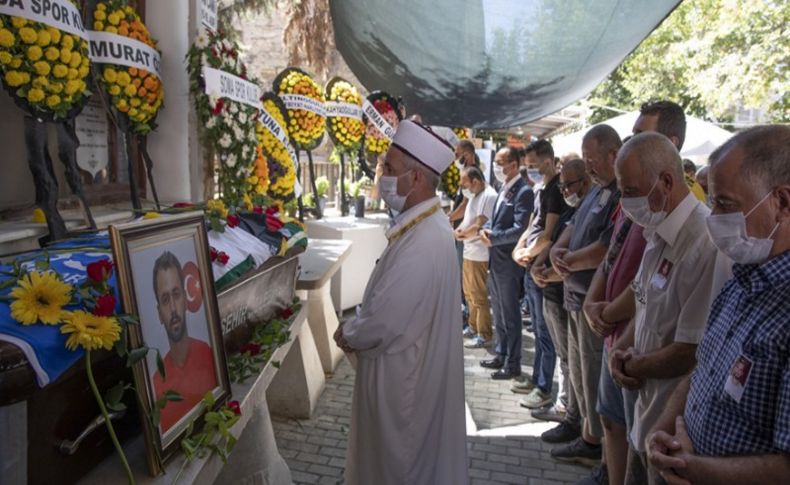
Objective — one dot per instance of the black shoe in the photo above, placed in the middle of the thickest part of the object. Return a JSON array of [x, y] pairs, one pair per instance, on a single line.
[[578, 451], [504, 374], [562, 433], [496, 363], [599, 476]]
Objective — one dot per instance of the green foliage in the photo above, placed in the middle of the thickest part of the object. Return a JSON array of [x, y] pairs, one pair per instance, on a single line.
[[321, 186], [712, 57]]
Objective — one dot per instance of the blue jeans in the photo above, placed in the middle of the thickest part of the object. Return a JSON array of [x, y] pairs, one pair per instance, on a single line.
[[504, 290], [545, 356]]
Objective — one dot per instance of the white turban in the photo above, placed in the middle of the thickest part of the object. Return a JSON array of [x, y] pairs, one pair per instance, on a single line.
[[423, 145]]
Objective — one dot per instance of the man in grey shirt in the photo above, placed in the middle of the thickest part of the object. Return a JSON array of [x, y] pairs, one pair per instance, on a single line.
[[576, 255]]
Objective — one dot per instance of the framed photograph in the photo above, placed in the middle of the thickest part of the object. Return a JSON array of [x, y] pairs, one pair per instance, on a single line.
[[165, 279]]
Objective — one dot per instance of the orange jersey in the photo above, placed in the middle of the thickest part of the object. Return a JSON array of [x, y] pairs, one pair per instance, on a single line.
[[192, 381]]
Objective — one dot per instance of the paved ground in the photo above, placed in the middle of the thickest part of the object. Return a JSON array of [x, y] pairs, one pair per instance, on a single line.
[[503, 439]]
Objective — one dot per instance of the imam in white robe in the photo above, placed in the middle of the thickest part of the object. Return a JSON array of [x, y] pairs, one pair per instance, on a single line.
[[408, 421]]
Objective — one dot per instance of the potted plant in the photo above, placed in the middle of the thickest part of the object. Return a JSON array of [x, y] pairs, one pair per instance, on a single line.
[[321, 188], [358, 196]]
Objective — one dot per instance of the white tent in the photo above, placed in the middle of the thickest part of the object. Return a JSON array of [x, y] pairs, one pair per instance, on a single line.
[[701, 137]]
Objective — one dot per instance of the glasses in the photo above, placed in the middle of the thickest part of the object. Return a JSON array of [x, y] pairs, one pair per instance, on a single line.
[[567, 185]]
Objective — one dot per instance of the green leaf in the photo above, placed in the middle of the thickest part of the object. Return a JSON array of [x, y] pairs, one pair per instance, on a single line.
[[120, 344], [136, 355], [276, 364], [42, 265], [116, 406], [209, 399], [160, 365], [114, 394]]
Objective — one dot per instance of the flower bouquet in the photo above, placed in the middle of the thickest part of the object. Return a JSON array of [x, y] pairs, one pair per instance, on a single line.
[[227, 126], [450, 181], [135, 94], [376, 141], [273, 145], [46, 71], [304, 100], [344, 124]]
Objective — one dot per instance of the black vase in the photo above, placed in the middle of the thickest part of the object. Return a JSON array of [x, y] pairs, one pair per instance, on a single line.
[[359, 206]]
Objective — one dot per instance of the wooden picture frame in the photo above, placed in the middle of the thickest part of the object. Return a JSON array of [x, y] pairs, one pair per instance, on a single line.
[[165, 279]]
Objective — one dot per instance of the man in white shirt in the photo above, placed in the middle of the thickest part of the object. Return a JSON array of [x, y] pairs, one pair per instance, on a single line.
[[673, 288], [478, 211]]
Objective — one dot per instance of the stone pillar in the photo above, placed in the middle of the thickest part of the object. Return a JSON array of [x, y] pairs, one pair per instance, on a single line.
[[174, 146]]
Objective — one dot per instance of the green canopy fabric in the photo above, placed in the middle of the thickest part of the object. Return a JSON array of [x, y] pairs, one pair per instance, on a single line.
[[489, 63]]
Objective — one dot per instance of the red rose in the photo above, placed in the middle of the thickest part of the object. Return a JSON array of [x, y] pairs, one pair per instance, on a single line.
[[105, 305], [99, 271], [218, 107], [213, 252], [272, 211], [223, 258], [233, 220], [257, 209], [252, 349], [235, 407], [285, 313]]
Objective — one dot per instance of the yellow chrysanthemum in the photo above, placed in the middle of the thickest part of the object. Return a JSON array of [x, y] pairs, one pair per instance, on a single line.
[[110, 75], [34, 53], [56, 87], [53, 100], [44, 38], [35, 95], [130, 90], [89, 331], [83, 71], [5, 57], [54, 34], [18, 22], [40, 297], [111, 29], [114, 18], [60, 70], [72, 74], [16, 78], [123, 79], [40, 82], [67, 42], [65, 55], [42, 68], [115, 90], [28, 35], [16, 62], [100, 14], [52, 53], [72, 87], [98, 25], [6, 38], [76, 60]]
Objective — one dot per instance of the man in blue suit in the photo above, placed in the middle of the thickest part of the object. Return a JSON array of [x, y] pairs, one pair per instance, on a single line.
[[513, 207]]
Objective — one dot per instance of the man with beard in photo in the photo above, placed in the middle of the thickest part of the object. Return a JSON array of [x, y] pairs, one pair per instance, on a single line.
[[189, 363]]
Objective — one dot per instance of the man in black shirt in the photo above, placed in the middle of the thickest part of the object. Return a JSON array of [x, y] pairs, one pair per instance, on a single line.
[[549, 205]]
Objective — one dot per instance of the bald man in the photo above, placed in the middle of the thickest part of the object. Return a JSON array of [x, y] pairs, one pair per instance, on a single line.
[[673, 288]]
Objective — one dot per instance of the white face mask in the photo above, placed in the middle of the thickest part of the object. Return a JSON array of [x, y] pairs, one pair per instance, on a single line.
[[388, 186], [459, 162], [638, 210], [468, 193], [499, 173], [573, 200], [728, 233]]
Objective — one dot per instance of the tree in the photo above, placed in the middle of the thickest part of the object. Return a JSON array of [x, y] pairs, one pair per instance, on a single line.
[[713, 57]]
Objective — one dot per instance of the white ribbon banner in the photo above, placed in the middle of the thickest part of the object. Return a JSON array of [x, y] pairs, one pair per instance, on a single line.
[[107, 48], [227, 85], [345, 110], [208, 13], [60, 14], [297, 101], [275, 128], [378, 121]]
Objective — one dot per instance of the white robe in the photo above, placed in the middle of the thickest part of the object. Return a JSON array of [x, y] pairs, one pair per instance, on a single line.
[[408, 424]]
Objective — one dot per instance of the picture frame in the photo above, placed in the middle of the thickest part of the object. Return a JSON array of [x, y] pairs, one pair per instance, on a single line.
[[165, 279]]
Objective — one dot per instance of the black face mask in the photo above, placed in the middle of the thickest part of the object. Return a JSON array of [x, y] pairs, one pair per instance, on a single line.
[[523, 171]]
